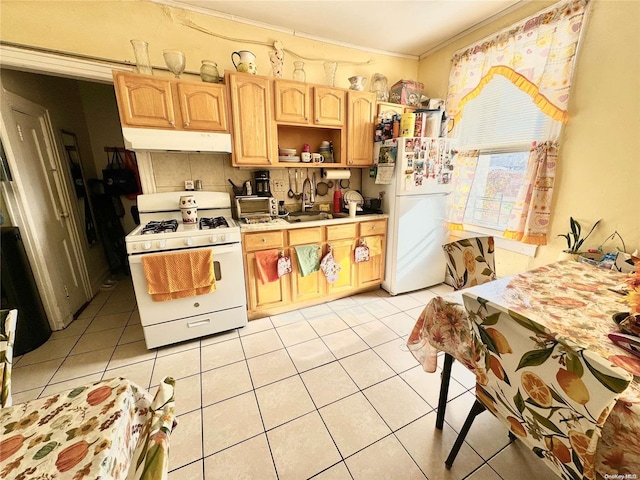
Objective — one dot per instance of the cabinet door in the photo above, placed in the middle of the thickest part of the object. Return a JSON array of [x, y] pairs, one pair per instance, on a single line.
[[253, 133], [292, 102], [328, 106], [360, 114], [305, 288], [261, 296], [144, 101], [343, 255], [372, 272], [203, 106]]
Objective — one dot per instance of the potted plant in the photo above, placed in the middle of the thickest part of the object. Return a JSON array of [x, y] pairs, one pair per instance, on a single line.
[[574, 239]]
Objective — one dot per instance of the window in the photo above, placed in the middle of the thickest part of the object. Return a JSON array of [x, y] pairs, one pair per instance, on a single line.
[[501, 122]]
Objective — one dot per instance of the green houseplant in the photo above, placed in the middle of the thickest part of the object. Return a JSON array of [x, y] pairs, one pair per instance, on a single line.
[[574, 238]]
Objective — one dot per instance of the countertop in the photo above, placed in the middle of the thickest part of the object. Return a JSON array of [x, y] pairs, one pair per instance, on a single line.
[[282, 224]]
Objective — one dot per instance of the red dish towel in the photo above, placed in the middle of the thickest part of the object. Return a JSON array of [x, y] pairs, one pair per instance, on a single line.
[[267, 265]]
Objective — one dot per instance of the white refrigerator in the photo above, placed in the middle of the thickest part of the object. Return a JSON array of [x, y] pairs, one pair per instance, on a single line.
[[415, 175]]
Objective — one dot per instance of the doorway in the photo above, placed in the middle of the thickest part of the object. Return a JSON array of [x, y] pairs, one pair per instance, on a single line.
[[38, 202]]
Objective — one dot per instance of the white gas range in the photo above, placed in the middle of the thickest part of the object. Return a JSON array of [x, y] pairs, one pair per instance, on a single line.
[[161, 232]]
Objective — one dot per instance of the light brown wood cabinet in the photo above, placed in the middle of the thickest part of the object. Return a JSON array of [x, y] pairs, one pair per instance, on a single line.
[[297, 102], [329, 106], [360, 117], [254, 133], [371, 273], [260, 295], [267, 113], [293, 104], [145, 101], [294, 291]]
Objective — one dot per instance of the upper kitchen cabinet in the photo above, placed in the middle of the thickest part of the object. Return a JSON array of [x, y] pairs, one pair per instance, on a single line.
[[144, 101], [203, 106], [149, 102], [293, 103], [361, 108], [254, 134], [329, 106]]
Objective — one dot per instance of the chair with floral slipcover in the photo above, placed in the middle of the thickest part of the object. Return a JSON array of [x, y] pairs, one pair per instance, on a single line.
[[8, 321], [108, 429], [550, 393], [470, 262]]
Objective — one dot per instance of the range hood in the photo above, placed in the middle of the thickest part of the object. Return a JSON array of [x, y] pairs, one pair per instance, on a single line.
[[175, 141]]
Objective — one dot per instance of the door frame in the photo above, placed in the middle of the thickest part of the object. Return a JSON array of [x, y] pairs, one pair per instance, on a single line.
[[57, 64]]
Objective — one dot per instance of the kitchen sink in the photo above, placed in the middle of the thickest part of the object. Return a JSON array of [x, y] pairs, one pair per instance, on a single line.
[[308, 216]]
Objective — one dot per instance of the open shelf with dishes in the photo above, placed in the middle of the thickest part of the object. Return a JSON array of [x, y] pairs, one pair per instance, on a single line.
[[294, 137]]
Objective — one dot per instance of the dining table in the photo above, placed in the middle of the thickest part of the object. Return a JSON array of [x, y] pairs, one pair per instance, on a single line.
[[575, 301]]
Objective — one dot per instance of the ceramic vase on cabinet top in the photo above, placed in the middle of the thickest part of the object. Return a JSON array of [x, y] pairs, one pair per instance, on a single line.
[[357, 83], [246, 62], [277, 61], [209, 71]]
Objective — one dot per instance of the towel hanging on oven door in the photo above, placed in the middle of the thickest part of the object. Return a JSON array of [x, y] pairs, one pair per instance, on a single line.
[[179, 275]]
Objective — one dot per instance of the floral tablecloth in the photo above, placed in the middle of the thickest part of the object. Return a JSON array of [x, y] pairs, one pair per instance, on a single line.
[[571, 299], [112, 429]]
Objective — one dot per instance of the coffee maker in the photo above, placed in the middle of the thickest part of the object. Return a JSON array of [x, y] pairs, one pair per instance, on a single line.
[[263, 189]]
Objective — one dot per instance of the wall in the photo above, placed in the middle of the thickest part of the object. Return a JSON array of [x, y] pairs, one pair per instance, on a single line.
[[598, 174], [62, 99], [172, 169], [104, 29]]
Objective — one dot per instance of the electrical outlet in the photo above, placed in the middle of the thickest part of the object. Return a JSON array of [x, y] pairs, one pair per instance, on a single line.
[[278, 186]]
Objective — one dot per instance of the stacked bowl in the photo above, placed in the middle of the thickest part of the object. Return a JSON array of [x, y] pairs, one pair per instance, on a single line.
[[289, 155]]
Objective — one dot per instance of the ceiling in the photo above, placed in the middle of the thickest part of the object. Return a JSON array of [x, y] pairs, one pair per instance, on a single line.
[[392, 26]]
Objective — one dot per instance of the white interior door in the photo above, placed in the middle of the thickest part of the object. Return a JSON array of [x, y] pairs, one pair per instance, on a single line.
[[38, 200]]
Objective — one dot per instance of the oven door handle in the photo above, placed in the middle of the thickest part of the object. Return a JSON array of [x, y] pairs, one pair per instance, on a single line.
[[217, 250]]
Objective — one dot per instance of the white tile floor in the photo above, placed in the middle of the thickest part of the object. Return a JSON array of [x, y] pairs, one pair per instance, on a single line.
[[328, 392]]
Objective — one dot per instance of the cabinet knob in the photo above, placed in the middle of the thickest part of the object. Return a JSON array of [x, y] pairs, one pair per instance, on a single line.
[[264, 240], [350, 162], [186, 124], [373, 228], [173, 123]]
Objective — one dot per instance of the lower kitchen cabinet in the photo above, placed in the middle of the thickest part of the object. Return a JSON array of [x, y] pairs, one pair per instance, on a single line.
[[371, 273], [260, 295], [264, 295], [313, 285], [342, 240], [295, 291]]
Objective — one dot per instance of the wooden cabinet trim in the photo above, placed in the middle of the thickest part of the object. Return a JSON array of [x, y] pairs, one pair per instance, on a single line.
[[304, 236]]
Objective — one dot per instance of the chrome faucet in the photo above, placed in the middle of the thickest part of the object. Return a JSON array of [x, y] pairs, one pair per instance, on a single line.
[[308, 198]]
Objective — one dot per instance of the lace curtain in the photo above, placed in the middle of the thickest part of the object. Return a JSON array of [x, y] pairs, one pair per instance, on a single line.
[[538, 57]]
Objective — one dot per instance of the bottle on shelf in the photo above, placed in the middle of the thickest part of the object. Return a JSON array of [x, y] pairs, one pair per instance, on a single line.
[[299, 74]]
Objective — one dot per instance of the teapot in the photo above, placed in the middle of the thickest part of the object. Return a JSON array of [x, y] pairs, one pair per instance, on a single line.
[[246, 62], [357, 83]]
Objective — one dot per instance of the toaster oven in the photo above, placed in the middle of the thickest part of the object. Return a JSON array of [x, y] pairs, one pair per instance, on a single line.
[[253, 206]]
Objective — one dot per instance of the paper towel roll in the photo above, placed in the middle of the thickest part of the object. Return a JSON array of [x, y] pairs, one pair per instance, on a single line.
[[337, 174]]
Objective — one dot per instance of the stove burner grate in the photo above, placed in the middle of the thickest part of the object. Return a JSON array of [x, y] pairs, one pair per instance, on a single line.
[[209, 223], [162, 226]]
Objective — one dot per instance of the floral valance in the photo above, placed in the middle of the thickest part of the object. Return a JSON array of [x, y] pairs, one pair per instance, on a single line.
[[537, 55]]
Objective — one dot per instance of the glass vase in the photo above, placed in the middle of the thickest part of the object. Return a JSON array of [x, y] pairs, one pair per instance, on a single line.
[[299, 74], [141, 51], [330, 73], [209, 71]]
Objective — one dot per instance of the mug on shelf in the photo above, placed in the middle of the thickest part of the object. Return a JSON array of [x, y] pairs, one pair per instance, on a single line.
[[317, 158], [305, 156]]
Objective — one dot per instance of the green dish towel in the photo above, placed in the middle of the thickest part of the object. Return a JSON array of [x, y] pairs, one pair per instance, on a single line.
[[308, 259]]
